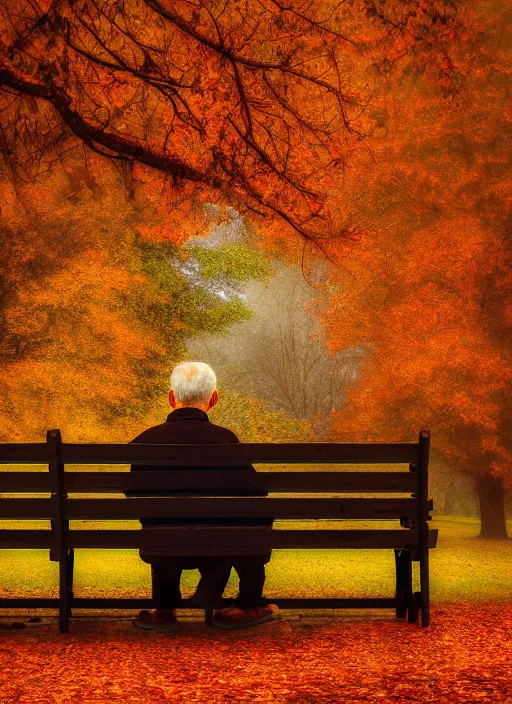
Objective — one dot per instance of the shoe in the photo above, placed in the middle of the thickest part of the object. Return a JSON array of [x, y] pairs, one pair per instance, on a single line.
[[156, 620], [234, 617]]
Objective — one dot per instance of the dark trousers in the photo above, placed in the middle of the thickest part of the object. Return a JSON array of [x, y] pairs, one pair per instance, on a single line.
[[166, 574]]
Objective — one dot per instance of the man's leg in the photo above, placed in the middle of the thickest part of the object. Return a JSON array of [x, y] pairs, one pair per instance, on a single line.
[[251, 574], [250, 608], [214, 571], [165, 582]]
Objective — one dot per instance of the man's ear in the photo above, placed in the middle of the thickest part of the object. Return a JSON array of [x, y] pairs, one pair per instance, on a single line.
[[172, 399], [213, 399]]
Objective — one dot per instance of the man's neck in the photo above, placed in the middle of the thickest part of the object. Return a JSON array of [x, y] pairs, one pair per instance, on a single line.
[[183, 405]]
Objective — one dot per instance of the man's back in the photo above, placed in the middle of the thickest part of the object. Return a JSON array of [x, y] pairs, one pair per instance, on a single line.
[[191, 426], [192, 394]]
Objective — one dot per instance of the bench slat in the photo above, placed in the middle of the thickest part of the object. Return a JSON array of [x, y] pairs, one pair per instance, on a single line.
[[279, 539], [24, 482], [26, 508], [296, 482], [212, 507], [145, 603], [208, 480], [236, 454], [24, 453], [184, 507], [25, 538]]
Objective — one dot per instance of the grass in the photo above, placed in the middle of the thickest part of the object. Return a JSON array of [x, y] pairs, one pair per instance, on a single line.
[[463, 568]]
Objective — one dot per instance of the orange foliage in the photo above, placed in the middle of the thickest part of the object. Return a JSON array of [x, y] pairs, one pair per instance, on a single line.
[[428, 288], [71, 351], [259, 104], [375, 130]]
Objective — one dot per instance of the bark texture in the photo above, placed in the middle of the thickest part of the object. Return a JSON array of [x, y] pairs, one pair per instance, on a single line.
[[491, 496]]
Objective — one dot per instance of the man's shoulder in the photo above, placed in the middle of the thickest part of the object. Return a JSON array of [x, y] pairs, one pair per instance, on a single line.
[[174, 432], [151, 434], [223, 432]]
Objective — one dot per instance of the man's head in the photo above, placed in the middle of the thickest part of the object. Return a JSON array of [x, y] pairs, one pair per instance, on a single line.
[[193, 385]]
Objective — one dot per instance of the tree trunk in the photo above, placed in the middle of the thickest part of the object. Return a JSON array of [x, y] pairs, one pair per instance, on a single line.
[[491, 496]]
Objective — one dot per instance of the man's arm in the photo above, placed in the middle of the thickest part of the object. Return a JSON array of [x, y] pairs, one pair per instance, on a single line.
[[253, 485], [137, 468]]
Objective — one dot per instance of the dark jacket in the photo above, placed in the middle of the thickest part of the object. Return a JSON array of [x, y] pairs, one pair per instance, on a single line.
[[192, 426]]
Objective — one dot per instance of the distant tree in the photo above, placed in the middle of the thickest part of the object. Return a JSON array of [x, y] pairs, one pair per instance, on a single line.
[[434, 361], [280, 354]]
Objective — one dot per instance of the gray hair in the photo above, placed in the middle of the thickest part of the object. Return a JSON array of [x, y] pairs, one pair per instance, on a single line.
[[193, 382]]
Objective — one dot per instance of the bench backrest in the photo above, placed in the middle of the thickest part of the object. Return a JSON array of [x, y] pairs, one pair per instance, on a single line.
[[412, 485]]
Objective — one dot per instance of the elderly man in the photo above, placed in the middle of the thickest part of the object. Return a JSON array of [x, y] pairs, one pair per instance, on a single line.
[[192, 394]]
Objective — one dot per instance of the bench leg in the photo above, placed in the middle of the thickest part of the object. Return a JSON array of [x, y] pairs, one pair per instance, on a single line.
[[64, 602], [407, 605], [66, 569], [208, 616], [425, 589], [401, 606], [410, 599], [71, 566]]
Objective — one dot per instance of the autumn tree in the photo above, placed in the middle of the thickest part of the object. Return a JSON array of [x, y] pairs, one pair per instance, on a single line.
[[434, 363], [93, 311], [260, 104], [430, 288]]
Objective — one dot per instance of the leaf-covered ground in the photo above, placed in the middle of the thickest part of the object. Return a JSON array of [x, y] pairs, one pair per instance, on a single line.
[[465, 656], [310, 657]]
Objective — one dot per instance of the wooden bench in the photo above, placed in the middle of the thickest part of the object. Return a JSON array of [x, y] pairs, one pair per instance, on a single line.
[[410, 539]]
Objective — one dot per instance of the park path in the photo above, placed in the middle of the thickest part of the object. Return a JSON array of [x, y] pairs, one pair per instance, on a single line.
[[465, 656]]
